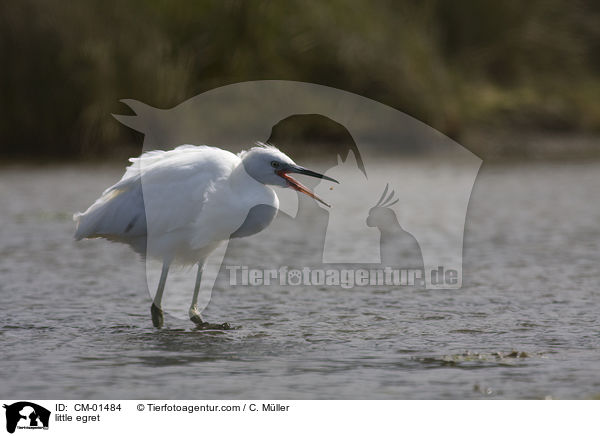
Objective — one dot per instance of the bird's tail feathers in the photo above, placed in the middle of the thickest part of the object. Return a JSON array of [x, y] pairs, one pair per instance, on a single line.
[[114, 214]]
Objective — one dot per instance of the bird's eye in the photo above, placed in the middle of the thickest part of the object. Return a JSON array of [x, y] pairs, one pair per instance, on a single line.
[[275, 164]]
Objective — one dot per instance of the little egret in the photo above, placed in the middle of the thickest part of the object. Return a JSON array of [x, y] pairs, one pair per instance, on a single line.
[[177, 206]]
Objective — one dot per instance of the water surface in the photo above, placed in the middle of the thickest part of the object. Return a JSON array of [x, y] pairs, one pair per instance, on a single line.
[[75, 316]]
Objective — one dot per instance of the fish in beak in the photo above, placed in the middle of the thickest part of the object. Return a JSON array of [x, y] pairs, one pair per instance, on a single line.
[[295, 184]]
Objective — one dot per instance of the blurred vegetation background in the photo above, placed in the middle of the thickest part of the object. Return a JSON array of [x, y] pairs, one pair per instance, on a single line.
[[508, 78]]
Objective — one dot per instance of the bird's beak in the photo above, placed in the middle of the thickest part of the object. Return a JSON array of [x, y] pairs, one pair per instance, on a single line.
[[295, 184]]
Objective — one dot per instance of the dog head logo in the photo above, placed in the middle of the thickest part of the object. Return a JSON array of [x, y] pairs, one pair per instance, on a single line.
[[24, 414]]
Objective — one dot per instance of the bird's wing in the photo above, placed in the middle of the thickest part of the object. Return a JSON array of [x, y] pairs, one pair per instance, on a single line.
[[160, 191], [151, 160]]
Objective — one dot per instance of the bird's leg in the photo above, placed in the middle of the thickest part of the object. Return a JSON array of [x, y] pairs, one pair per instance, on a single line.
[[155, 309], [195, 313]]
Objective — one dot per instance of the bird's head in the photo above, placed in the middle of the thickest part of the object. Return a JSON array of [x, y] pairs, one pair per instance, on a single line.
[[269, 166]]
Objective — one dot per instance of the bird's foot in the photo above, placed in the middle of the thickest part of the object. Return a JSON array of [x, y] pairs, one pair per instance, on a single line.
[[201, 325], [212, 326], [158, 318], [194, 314]]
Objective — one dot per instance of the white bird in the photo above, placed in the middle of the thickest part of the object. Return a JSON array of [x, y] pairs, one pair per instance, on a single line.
[[177, 206]]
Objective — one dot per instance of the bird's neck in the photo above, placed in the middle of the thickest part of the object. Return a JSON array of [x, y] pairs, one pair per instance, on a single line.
[[241, 181], [239, 178], [251, 189]]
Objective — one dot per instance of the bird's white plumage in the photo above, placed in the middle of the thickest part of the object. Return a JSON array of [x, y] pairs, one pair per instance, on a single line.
[[177, 205]]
